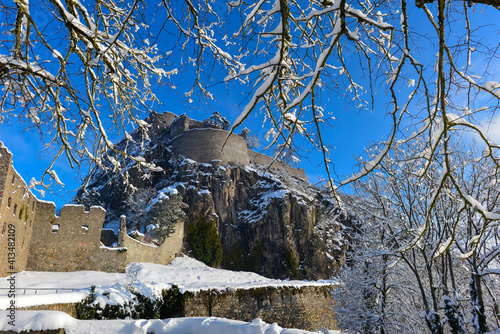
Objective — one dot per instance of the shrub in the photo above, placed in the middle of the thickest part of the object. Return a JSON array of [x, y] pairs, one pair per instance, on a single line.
[[172, 303], [141, 307], [291, 264], [84, 309], [169, 305], [204, 242]]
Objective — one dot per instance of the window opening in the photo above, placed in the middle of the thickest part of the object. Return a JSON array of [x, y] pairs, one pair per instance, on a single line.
[[55, 228], [85, 229]]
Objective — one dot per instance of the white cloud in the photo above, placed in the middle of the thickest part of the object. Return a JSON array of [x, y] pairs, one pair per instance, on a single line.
[[492, 129]]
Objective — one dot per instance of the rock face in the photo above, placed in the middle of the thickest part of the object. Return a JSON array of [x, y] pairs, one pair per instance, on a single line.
[[272, 223]]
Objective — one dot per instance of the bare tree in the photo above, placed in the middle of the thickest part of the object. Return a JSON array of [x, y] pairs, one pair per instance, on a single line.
[[448, 274], [288, 55], [66, 73]]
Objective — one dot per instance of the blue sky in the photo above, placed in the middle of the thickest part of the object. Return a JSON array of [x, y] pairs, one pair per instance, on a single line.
[[351, 131]]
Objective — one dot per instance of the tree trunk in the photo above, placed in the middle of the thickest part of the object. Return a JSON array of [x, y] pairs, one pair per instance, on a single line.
[[476, 296]]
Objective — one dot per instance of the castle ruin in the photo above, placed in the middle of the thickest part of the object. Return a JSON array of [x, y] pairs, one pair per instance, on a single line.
[[34, 238], [208, 140]]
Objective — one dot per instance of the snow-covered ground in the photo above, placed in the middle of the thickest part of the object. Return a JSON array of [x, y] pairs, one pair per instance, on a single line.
[[36, 288], [42, 320]]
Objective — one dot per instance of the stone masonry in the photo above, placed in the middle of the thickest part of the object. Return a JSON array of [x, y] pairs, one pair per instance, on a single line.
[[17, 216], [309, 308], [201, 142], [34, 238]]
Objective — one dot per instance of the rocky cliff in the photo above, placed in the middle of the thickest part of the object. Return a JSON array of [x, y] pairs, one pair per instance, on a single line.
[[272, 223]]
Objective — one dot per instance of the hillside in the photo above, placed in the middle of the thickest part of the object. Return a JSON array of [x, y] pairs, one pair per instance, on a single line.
[[269, 221]]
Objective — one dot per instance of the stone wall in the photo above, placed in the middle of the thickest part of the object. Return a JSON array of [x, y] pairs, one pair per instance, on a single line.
[[308, 308], [36, 239], [17, 214], [71, 241], [179, 125], [141, 252], [205, 145], [262, 159], [5, 163], [199, 142], [69, 308], [160, 122]]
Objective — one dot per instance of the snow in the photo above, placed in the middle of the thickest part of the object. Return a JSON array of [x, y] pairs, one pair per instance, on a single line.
[[163, 194], [476, 205], [15, 63], [114, 288], [204, 192], [444, 246], [151, 227], [44, 320], [146, 278]]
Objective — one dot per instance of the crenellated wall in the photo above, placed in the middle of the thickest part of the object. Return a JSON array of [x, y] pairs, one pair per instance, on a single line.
[[38, 240], [71, 241], [17, 214]]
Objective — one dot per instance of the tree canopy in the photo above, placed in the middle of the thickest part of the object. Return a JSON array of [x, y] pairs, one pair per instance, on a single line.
[[87, 68], [77, 71]]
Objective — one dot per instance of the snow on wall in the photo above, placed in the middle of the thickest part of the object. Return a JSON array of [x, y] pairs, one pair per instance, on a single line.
[[36, 239], [139, 252]]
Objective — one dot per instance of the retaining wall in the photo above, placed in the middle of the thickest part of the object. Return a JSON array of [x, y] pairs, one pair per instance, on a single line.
[[308, 308], [262, 159]]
